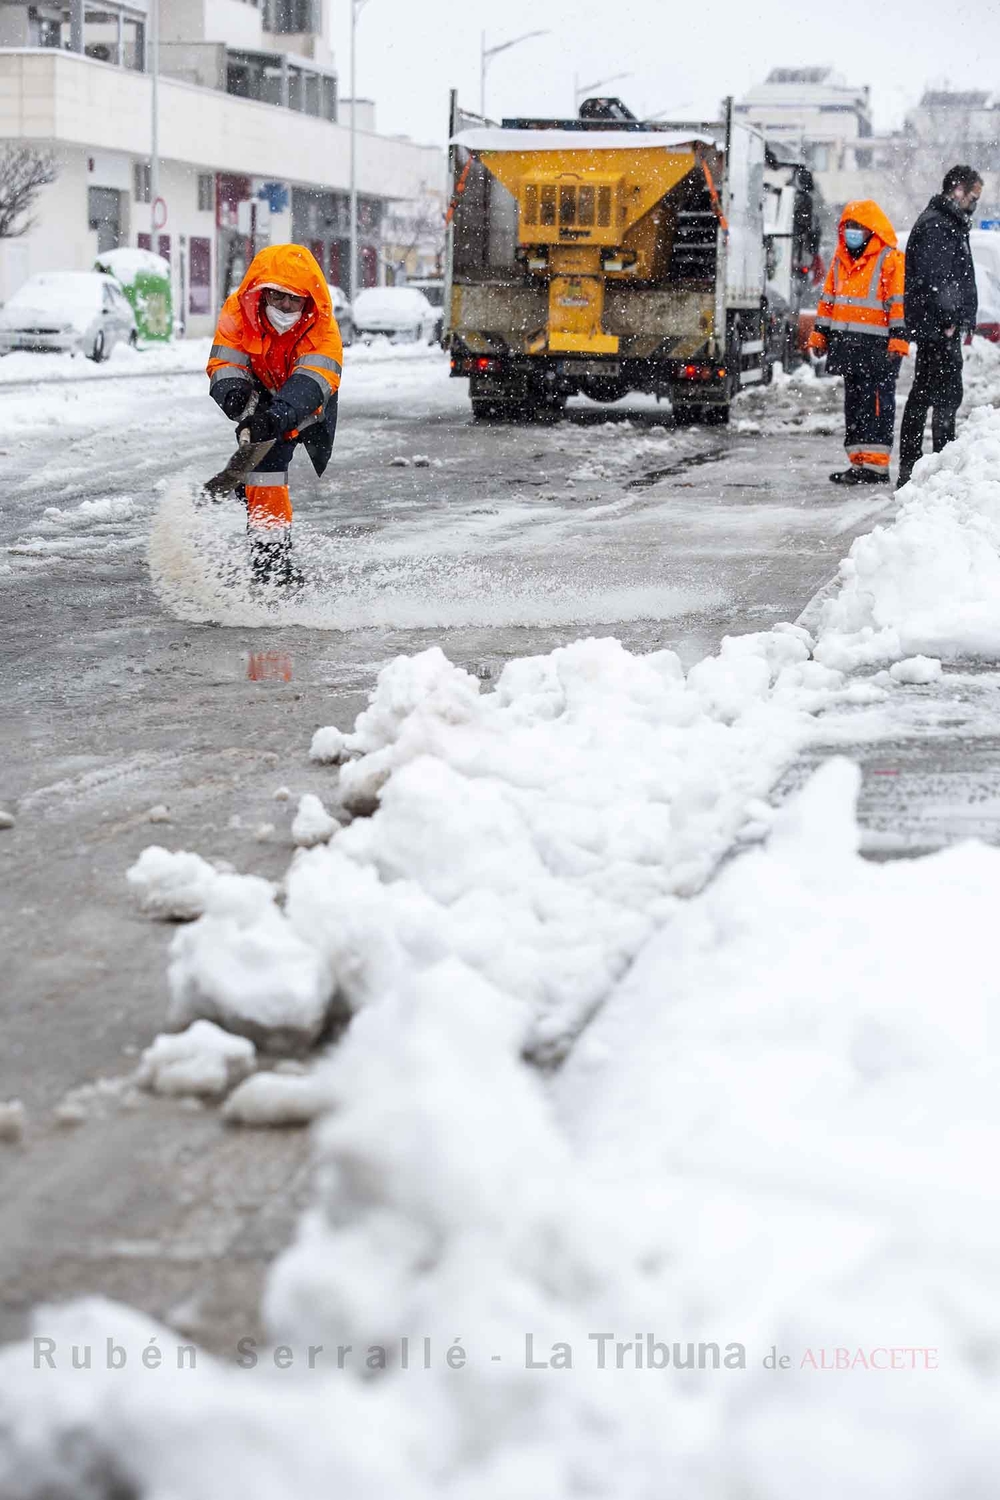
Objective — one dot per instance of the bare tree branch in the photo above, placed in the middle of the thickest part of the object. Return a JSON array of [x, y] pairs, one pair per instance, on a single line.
[[24, 171], [415, 224]]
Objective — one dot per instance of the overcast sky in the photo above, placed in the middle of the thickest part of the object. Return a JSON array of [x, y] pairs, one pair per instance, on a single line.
[[683, 57]]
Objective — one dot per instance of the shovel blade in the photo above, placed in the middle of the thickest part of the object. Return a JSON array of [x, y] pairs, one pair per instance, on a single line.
[[242, 463]]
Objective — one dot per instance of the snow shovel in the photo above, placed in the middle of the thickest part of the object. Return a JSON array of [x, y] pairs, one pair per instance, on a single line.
[[243, 462]]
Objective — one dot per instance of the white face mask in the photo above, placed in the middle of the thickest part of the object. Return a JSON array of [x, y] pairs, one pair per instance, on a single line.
[[282, 321]]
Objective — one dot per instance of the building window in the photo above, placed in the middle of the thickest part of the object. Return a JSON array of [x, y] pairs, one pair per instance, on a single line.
[[141, 181], [206, 193], [104, 214], [290, 17], [200, 276], [254, 75]]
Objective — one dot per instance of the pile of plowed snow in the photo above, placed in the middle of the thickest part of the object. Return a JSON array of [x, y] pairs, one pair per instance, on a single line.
[[752, 1208], [929, 582]]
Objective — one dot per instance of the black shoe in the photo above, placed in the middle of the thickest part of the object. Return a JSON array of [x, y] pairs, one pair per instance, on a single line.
[[855, 475], [269, 558], [271, 562]]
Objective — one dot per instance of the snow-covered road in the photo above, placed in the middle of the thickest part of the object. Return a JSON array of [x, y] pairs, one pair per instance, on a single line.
[[527, 874]]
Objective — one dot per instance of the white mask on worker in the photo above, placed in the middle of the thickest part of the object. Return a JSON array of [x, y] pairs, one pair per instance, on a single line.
[[282, 321]]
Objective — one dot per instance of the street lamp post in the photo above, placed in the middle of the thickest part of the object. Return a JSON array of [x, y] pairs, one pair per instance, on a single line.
[[154, 143], [487, 54], [356, 7], [580, 91]]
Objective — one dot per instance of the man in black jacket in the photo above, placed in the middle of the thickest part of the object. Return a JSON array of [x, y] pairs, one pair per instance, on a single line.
[[940, 305]]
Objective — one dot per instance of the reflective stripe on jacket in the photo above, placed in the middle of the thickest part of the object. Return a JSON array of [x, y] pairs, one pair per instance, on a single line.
[[245, 344], [863, 295]]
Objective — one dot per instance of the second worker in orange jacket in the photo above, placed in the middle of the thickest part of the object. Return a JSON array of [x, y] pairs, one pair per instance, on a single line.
[[859, 325]]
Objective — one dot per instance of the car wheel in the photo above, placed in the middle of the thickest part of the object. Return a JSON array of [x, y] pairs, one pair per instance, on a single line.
[[347, 333], [99, 351], [133, 340]]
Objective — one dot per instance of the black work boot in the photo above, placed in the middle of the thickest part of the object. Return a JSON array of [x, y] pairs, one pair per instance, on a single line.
[[271, 559], [856, 475], [904, 476], [268, 556]]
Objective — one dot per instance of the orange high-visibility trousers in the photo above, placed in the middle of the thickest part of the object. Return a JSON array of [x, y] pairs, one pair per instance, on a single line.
[[268, 502]]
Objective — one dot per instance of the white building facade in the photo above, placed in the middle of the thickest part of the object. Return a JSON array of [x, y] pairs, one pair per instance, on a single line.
[[251, 149], [821, 120]]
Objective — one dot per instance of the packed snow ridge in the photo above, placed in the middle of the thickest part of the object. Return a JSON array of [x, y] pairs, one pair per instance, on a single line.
[[538, 834]]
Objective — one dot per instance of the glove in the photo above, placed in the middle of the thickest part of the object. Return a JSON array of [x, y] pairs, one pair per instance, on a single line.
[[267, 422], [817, 342], [234, 401]]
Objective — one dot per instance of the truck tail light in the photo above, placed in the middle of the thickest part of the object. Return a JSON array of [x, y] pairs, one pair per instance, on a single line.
[[482, 364], [701, 372]]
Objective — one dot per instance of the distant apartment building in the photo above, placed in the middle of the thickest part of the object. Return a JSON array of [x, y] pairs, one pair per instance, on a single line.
[[949, 127], [813, 115], [253, 142], [817, 117]]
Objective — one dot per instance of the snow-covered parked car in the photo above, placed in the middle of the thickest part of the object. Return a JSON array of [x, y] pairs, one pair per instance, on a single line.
[[79, 312], [399, 313], [433, 289], [343, 313]]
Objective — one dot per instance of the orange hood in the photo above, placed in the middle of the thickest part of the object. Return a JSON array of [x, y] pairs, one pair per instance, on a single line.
[[294, 269], [865, 211]]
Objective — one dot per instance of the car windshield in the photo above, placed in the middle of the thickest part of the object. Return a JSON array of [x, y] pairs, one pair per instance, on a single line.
[[62, 294], [434, 293]]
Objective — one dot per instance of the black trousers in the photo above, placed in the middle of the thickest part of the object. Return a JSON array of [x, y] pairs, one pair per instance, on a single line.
[[869, 402], [937, 385]]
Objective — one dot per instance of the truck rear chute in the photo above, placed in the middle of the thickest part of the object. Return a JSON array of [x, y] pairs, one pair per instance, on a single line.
[[594, 256], [577, 206]]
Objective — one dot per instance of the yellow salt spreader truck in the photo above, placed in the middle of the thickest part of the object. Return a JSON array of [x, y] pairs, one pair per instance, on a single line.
[[605, 255]]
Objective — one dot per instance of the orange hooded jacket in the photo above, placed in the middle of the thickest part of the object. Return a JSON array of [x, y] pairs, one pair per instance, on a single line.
[[245, 344], [863, 295]]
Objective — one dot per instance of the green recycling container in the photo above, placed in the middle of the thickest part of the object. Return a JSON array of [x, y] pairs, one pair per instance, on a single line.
[[145, 280]]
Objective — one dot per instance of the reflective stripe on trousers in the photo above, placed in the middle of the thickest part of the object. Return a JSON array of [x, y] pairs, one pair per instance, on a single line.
[[268, 503], [869, 458]]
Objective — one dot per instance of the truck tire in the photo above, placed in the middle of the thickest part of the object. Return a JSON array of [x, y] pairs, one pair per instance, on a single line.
[[685, 415], [483, 410], [716, 416]]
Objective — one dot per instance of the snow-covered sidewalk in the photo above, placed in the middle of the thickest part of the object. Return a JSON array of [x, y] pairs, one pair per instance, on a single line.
[[182, 357]]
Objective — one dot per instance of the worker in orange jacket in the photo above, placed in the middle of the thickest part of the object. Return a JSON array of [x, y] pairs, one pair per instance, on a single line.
[[859, 324], [275, 370]]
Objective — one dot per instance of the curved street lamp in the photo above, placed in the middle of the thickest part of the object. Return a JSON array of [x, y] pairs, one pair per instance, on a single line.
[[487, 54], [356, 7]]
